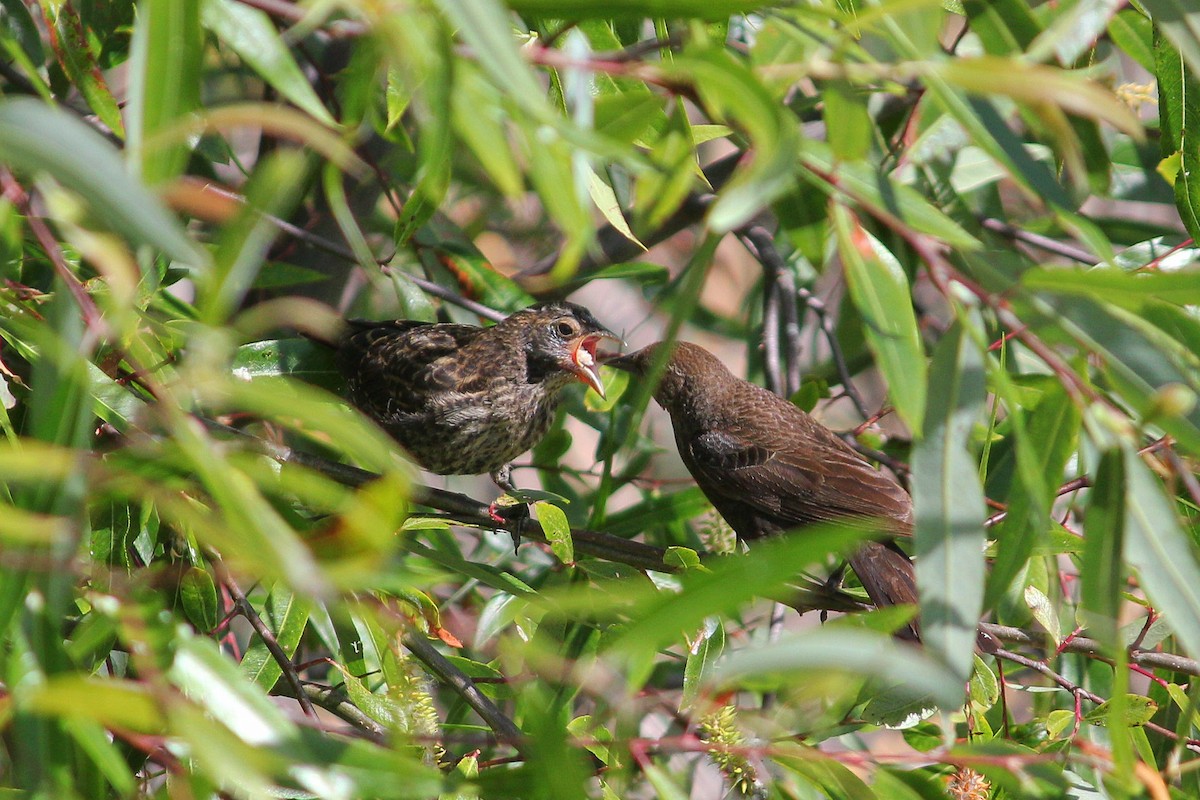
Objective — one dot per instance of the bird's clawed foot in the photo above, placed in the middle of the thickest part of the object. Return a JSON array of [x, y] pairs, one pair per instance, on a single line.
[[506, 511], [834, 584]]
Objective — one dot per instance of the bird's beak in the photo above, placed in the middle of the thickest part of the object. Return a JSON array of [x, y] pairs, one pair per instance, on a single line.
[[622, 361], [585, 363]]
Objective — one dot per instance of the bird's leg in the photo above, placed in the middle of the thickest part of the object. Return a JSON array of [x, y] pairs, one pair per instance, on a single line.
[[833, 583], [517, 513]]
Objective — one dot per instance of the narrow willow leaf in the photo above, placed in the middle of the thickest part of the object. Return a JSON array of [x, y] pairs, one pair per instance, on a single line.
[[850, 126], [164, 76], [252, 35], [286, 615], [949, 505], [111, 702], [1160, 549], [241, 253], [216, 684], [606, 9], [1127, 289], [856, 652], [732, 92], [1101, 571], [706, 648], [664, 618], [1180, 25], [880, 291], [1179, 118], [72, 45], [35, 137], [1034, 84], [1043, 612], [1046, 438]]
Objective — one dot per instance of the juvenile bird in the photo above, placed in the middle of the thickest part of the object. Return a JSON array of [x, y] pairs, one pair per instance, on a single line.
[[465, 400], [767, 466]]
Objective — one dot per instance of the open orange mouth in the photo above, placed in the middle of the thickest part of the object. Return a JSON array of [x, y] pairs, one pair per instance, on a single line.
[[586, 363]]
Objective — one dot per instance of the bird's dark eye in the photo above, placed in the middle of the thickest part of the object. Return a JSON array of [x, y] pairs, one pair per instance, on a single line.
[[565, 328]]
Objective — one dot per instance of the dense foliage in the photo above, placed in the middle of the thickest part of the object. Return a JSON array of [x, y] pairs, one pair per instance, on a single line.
[[961, 231]]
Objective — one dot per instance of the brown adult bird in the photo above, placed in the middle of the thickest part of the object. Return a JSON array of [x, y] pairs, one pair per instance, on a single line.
[[465, 400], [768, 467]]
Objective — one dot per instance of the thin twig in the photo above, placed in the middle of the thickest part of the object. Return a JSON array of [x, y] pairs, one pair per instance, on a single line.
[[1081, 644], [346, 254], [1078, 691], [464, 510], [762, 244], [505, 729], [13, 191], [1039, 241], [336, 700], [268, 636]]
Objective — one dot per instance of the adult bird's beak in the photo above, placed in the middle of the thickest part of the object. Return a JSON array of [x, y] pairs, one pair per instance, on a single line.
[[585, 362]]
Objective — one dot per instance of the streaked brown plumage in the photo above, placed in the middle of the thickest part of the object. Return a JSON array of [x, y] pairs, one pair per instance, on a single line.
[[767, 466], [465, 400]]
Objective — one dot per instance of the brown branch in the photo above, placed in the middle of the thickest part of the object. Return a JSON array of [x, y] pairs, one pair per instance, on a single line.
[[1038, 240], [1079, 692], [336, 700], [761, 243], [504, 728], [268, 636]]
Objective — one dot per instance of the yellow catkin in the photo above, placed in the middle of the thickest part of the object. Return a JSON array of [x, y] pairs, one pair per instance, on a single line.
[[720, 728]]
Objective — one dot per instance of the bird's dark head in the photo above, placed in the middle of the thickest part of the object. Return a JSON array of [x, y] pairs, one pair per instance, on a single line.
[[687, 370], [562, 338]]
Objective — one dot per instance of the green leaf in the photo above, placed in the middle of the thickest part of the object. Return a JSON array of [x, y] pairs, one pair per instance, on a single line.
[[198, 594], [35, 137], [880, 291], [1101, 571], [1044, 612], [1133, 33], [949, 504], [1179, 23], [1178, 112], [849, 125], [111, 702], [609, 9], [857, 652], [736, 97], [1129, 290], [251, 34], [1035, 84], [1046, 437], [983, 690], [286, 615], [242, 249], [164, 76], [74, 50], [703, 653], [664, 618], [557, 529], [1157, 546], [1138, 711], [216, 684]]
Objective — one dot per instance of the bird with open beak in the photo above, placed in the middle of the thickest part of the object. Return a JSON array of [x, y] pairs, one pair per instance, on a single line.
[[768, 467], [467, 400]]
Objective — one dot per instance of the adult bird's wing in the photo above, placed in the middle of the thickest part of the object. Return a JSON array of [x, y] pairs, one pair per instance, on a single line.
[[796, 477]]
